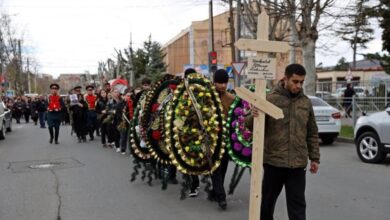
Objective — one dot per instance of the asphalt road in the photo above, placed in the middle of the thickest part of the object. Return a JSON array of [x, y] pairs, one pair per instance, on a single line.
[[91, 182]]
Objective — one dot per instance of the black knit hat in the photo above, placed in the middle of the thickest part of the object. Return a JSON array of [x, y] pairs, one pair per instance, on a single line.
[[221, 76], [189, 71]]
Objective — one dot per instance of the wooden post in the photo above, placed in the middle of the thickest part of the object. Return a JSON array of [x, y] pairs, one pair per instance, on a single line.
[[258, 99]]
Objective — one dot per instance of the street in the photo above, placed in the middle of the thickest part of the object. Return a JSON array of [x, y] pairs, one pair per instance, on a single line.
[[92, 182]]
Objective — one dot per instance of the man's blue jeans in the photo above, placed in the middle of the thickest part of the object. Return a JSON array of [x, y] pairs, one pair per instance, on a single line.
[[42, 118]]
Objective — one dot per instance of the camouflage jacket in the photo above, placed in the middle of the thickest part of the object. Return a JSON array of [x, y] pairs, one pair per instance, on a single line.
[[291, 141]]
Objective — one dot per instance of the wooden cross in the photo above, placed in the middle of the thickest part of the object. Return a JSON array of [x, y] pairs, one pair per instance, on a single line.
[[258, 99]]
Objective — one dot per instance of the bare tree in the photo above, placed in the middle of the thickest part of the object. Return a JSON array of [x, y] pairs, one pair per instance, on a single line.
[[304, 17], [11, 54]]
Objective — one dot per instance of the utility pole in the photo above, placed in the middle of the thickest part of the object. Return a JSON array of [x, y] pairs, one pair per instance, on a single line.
[[237, 79], [211, 26], [35, 79], [132, 79], [20, 63], [28, 76], [232, 33], [211, 35], [294, 36]]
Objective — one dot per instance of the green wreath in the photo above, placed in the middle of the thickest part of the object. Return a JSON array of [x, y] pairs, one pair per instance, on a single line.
[[153, 119], [239, 145], [195, 149], [138, 147]]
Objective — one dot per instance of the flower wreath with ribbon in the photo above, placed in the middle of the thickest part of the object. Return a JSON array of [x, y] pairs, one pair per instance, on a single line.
[[138, 147], [153, 119], [240, 145], [195, 127]]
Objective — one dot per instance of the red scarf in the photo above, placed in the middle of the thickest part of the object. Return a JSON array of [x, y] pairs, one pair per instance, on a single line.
[[130, 107], [54, 103], [91, 100]]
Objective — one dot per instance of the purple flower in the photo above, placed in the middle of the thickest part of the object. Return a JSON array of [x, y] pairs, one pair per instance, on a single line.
[[234, 137], [234, 123], [247, 134], [246, 152], [242, 128], [237, 146], [238, 111], [241, 119], [245, 104]]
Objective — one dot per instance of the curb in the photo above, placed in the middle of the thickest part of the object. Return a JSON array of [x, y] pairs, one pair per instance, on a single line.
[[345, 140]]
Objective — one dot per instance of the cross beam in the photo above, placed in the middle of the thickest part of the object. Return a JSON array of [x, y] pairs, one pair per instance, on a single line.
[[262, 46]]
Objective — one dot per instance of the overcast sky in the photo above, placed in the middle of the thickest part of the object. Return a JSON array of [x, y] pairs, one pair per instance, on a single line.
[[72, 36]]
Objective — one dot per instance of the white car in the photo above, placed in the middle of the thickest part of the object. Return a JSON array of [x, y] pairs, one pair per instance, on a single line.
[[328, 120], [5, 120], [372, 136]]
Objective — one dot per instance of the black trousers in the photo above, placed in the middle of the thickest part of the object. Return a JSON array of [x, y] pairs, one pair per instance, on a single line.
[[294, 181], [218, 179], [104, 133]]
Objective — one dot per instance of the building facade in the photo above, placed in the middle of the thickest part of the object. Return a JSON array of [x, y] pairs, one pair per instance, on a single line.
[[190, 47]]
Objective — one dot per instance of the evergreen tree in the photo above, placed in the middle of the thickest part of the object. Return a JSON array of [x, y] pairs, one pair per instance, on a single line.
[[382, 12], [356, 30], [341, 65], [156, 65], [140, 62]]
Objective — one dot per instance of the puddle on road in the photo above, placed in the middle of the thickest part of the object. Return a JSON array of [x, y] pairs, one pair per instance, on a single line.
[[40, 165], [45, 165]]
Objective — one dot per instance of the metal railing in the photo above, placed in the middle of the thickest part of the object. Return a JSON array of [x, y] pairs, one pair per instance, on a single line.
[[358, 106]]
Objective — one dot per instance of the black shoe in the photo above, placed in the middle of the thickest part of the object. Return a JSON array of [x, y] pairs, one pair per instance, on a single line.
[[173, 181], [91, 138], [51, 140], [222, 204], [211, 196], [56, 142]]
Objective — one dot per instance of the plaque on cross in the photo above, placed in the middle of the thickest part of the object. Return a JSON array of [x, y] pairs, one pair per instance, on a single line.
[[263, 69]]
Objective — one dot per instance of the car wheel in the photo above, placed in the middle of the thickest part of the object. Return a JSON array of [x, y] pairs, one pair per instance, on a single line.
[[328, 139], [2, 132], [369, 148]]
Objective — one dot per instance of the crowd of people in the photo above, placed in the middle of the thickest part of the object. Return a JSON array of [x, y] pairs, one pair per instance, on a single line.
[[107, 112]]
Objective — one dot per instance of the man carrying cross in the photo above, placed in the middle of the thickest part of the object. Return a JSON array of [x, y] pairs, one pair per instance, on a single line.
[[288, 144]]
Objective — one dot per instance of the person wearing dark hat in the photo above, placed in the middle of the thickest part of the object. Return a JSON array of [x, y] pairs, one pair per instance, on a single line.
[[91, 99], [189, 71], [221, 79], [77, 90], [54, 115], [194, 178]]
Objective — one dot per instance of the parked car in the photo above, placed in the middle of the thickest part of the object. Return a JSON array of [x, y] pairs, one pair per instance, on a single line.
[[323, 94], [5, 120], [372, 137], [328, 120]]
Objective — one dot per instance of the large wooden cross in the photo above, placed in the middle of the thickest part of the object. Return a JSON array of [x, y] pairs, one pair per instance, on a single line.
[[263, 65]]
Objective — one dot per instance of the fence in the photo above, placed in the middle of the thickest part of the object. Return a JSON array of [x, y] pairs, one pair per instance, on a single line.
[[373, 88]]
